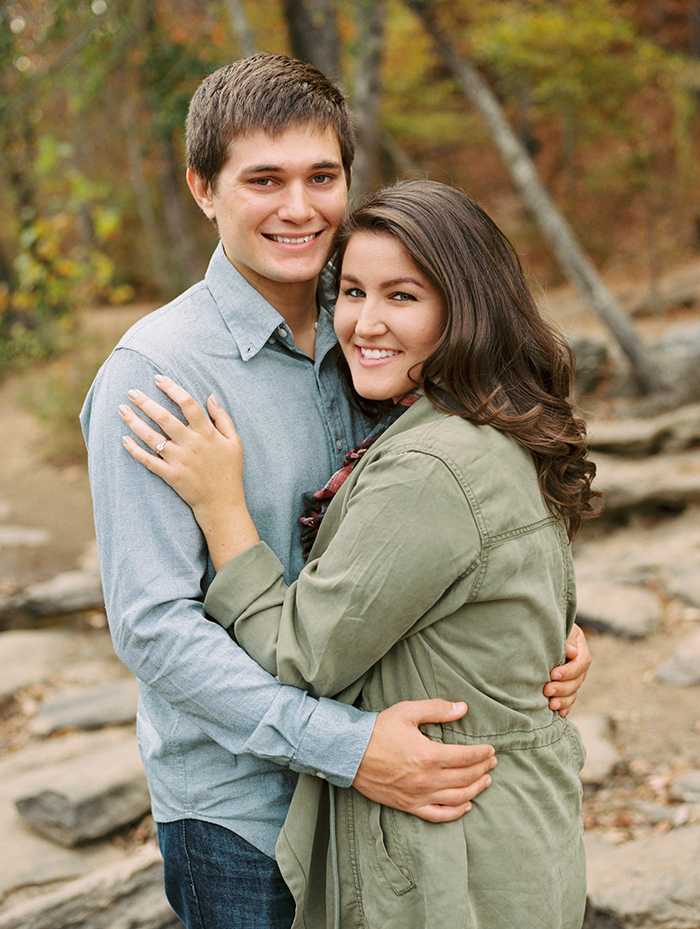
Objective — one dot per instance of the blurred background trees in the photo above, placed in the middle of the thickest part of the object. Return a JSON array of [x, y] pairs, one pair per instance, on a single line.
[[603, 96]]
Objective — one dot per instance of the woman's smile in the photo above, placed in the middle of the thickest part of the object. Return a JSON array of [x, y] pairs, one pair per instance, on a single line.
[[388, 316]]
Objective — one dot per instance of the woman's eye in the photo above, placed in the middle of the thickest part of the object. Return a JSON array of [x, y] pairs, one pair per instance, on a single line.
[[353, 292], [402, 297]]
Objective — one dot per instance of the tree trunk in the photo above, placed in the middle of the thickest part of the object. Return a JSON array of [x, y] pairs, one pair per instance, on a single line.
[[241, 28], [313, 34], [573, 261], [187, 266], [153, 243], [368, 92]]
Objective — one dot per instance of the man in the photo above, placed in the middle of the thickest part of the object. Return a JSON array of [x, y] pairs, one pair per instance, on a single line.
[[269, 153]]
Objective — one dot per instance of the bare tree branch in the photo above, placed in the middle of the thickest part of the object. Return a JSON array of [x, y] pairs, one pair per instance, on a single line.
[[571, 257]]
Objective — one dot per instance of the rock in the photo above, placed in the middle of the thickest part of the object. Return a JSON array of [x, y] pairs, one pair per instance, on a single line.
[[682, 669], [592, 360], [663, 554], [125, 895], [679, 288], [687, 788], [69, 592], [23, 536], [617, 608], [678, 352], [601, 754], [669, 432], [28, 657], [663, 481], [111, 705], [650, 883], [76, 803], [29, 861], [684, 583]]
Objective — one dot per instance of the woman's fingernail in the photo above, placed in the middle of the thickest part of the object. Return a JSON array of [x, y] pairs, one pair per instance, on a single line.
[[123, 409], [134, 394], [213, 400], [159, 378], [125, 441]]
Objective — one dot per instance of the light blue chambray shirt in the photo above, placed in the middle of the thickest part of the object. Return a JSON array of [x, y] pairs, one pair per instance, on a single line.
[[218, 735]]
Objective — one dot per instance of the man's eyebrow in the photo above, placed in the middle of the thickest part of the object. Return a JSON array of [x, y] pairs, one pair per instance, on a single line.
[[319, 166]]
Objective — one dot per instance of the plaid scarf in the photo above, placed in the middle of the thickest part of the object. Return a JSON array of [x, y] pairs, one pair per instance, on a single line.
[[316, 504]]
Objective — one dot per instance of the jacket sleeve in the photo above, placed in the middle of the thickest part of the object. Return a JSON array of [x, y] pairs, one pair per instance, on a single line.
[[408, 534], [155, 573]]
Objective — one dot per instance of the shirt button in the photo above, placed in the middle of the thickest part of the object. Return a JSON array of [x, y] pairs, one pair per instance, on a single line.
[[271, 340], [321, 775], [283, 332], [339, 445]]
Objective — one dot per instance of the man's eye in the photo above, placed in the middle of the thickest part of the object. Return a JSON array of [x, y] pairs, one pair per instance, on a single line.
[[262, 181], [322, 178]]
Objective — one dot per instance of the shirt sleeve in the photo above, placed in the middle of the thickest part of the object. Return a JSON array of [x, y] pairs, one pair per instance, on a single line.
[[408, 534], [155, 573]]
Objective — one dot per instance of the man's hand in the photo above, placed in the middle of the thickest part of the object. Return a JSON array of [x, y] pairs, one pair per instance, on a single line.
[[405, 769], [566, 679]]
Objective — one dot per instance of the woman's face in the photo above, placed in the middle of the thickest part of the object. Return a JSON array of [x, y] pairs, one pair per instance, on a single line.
[[388, 317]]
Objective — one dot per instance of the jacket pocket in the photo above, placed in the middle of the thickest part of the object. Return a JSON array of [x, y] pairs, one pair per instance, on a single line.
[[384, 834], [378, 858]]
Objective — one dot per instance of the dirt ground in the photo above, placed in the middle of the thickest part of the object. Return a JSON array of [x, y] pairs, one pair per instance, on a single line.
[[655, 728]]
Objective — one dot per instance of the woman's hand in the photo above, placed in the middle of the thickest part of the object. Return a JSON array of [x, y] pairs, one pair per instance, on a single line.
[[202, 461]]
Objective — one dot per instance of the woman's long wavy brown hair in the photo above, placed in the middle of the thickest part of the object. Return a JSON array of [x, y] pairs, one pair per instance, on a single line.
[[498, 363]]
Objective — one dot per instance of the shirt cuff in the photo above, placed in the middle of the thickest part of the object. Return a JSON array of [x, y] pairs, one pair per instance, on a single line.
[[334, 742]]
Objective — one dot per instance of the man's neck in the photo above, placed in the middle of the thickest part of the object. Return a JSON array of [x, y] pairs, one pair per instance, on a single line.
[[295, 302], [297, 305]]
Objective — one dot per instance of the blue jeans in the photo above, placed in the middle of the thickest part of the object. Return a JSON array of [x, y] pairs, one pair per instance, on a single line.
[[216, 880]]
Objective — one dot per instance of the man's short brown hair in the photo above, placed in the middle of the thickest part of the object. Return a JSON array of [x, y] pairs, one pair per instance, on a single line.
[[265, 92]]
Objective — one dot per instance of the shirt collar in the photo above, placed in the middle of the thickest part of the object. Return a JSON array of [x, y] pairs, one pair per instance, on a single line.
[[251, 320]]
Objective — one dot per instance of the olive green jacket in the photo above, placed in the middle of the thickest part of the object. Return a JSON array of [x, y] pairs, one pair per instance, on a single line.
[[437, 572]]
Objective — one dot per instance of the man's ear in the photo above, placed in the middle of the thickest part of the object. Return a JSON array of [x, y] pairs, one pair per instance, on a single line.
[[201, 191]]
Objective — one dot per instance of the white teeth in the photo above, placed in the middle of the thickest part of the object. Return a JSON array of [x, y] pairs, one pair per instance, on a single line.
[[290, 241], [374, 353]]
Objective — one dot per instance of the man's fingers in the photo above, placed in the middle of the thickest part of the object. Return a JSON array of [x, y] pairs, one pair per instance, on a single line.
[[434, 813], [578, 658], [435, 710]]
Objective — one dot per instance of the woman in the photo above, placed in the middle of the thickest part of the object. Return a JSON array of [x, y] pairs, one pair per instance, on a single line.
[[441, 565]]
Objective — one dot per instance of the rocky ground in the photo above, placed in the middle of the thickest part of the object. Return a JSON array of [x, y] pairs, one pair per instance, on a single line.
[[79, 848]]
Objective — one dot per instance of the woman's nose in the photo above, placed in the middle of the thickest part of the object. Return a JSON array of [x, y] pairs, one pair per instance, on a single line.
[[369, 321]]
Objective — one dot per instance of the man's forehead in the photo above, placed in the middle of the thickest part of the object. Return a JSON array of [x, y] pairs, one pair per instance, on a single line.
[[259, 150]]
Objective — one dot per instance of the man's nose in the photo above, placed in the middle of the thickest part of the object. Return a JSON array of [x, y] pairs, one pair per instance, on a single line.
[[296, 206]]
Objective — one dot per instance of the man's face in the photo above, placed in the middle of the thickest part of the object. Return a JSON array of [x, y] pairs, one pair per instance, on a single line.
[[277, 203]]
